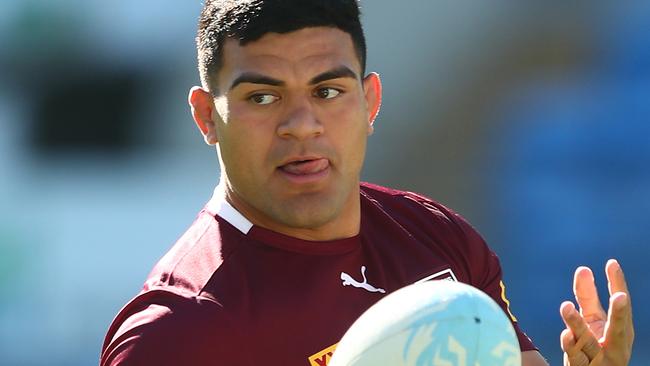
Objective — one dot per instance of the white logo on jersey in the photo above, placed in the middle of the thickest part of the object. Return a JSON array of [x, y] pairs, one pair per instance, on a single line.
[[446, 274], [348, 280]]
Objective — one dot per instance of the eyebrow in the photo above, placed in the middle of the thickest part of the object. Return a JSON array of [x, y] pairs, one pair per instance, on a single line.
[[335, 73], [256, 78]]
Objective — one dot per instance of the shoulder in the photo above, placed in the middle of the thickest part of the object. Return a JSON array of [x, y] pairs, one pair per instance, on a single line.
[[433, 223], [451, 235], [172, 318], [410, 208], [190, 263], [164, 328]]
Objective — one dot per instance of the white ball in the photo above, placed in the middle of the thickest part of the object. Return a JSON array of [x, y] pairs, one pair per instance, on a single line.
[[434, 323]]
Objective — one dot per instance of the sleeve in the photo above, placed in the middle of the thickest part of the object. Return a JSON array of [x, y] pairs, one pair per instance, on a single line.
[[485, 274], [167, 329]]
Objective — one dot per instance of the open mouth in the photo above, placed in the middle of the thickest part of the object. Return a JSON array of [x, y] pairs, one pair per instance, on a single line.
[[305, 167]]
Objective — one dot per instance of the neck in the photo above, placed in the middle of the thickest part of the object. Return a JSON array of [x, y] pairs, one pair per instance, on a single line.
[[345, 223]]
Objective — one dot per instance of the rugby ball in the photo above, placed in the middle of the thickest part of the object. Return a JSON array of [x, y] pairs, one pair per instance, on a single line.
[[433, 323]]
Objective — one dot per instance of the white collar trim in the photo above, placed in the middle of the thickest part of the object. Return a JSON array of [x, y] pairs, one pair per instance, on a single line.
[[219, 206]]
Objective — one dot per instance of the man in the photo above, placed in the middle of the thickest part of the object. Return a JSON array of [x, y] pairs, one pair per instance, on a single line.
[[292, 248]]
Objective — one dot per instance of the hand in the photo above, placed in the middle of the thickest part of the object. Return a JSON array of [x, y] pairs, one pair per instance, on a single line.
[[593, 337]]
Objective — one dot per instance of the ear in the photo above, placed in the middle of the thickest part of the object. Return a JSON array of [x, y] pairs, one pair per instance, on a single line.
[[372, 93], [204, 113]]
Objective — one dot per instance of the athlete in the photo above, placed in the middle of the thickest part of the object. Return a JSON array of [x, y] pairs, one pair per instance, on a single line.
[[292, 248]]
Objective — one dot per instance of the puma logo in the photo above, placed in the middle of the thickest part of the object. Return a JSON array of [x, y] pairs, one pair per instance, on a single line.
[[348, 280]]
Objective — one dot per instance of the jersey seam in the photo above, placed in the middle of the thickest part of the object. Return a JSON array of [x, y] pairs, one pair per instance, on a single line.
[[379, 206], [187, 252]]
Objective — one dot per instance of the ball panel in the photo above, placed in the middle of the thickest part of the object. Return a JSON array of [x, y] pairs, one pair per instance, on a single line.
[[431, 323]]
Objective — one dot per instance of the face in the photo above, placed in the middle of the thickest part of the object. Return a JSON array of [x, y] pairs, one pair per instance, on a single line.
[[291, 123]]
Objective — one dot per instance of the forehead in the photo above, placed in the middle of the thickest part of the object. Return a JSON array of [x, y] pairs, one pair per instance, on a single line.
[[296, 55]]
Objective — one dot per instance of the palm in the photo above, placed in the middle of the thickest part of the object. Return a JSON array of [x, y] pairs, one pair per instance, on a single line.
[[597, 327]]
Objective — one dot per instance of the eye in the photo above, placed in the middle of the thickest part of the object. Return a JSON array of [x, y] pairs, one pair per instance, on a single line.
[[327, 93], [263, 99]]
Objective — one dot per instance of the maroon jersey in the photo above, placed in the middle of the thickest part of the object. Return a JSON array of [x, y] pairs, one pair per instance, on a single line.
[[230, 293]]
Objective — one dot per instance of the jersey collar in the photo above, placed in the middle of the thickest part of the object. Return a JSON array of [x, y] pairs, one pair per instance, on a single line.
[[219, 206]]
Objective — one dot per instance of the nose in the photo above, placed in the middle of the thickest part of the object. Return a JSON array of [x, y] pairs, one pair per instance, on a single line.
[[300, 121]]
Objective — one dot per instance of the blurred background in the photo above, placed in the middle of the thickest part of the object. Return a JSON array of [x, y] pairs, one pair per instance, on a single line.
[[532, 120]]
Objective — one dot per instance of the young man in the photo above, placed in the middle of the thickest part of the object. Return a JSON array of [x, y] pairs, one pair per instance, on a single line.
[[292, 248]]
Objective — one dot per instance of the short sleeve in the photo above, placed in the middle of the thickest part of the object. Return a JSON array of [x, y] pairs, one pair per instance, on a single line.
[[470, 256], [485, 273]]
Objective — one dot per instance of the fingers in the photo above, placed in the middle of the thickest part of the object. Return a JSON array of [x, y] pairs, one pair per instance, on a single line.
[[619, 334], [617, 318], [584, 288], [571, 357], [579, 341], [615, 277], [617, 284], [584, 341]]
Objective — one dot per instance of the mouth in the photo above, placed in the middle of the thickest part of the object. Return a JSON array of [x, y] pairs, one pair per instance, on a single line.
[[305, 170]]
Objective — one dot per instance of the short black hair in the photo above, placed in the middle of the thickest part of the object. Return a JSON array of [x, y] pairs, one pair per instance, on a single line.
[[249, 20]]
